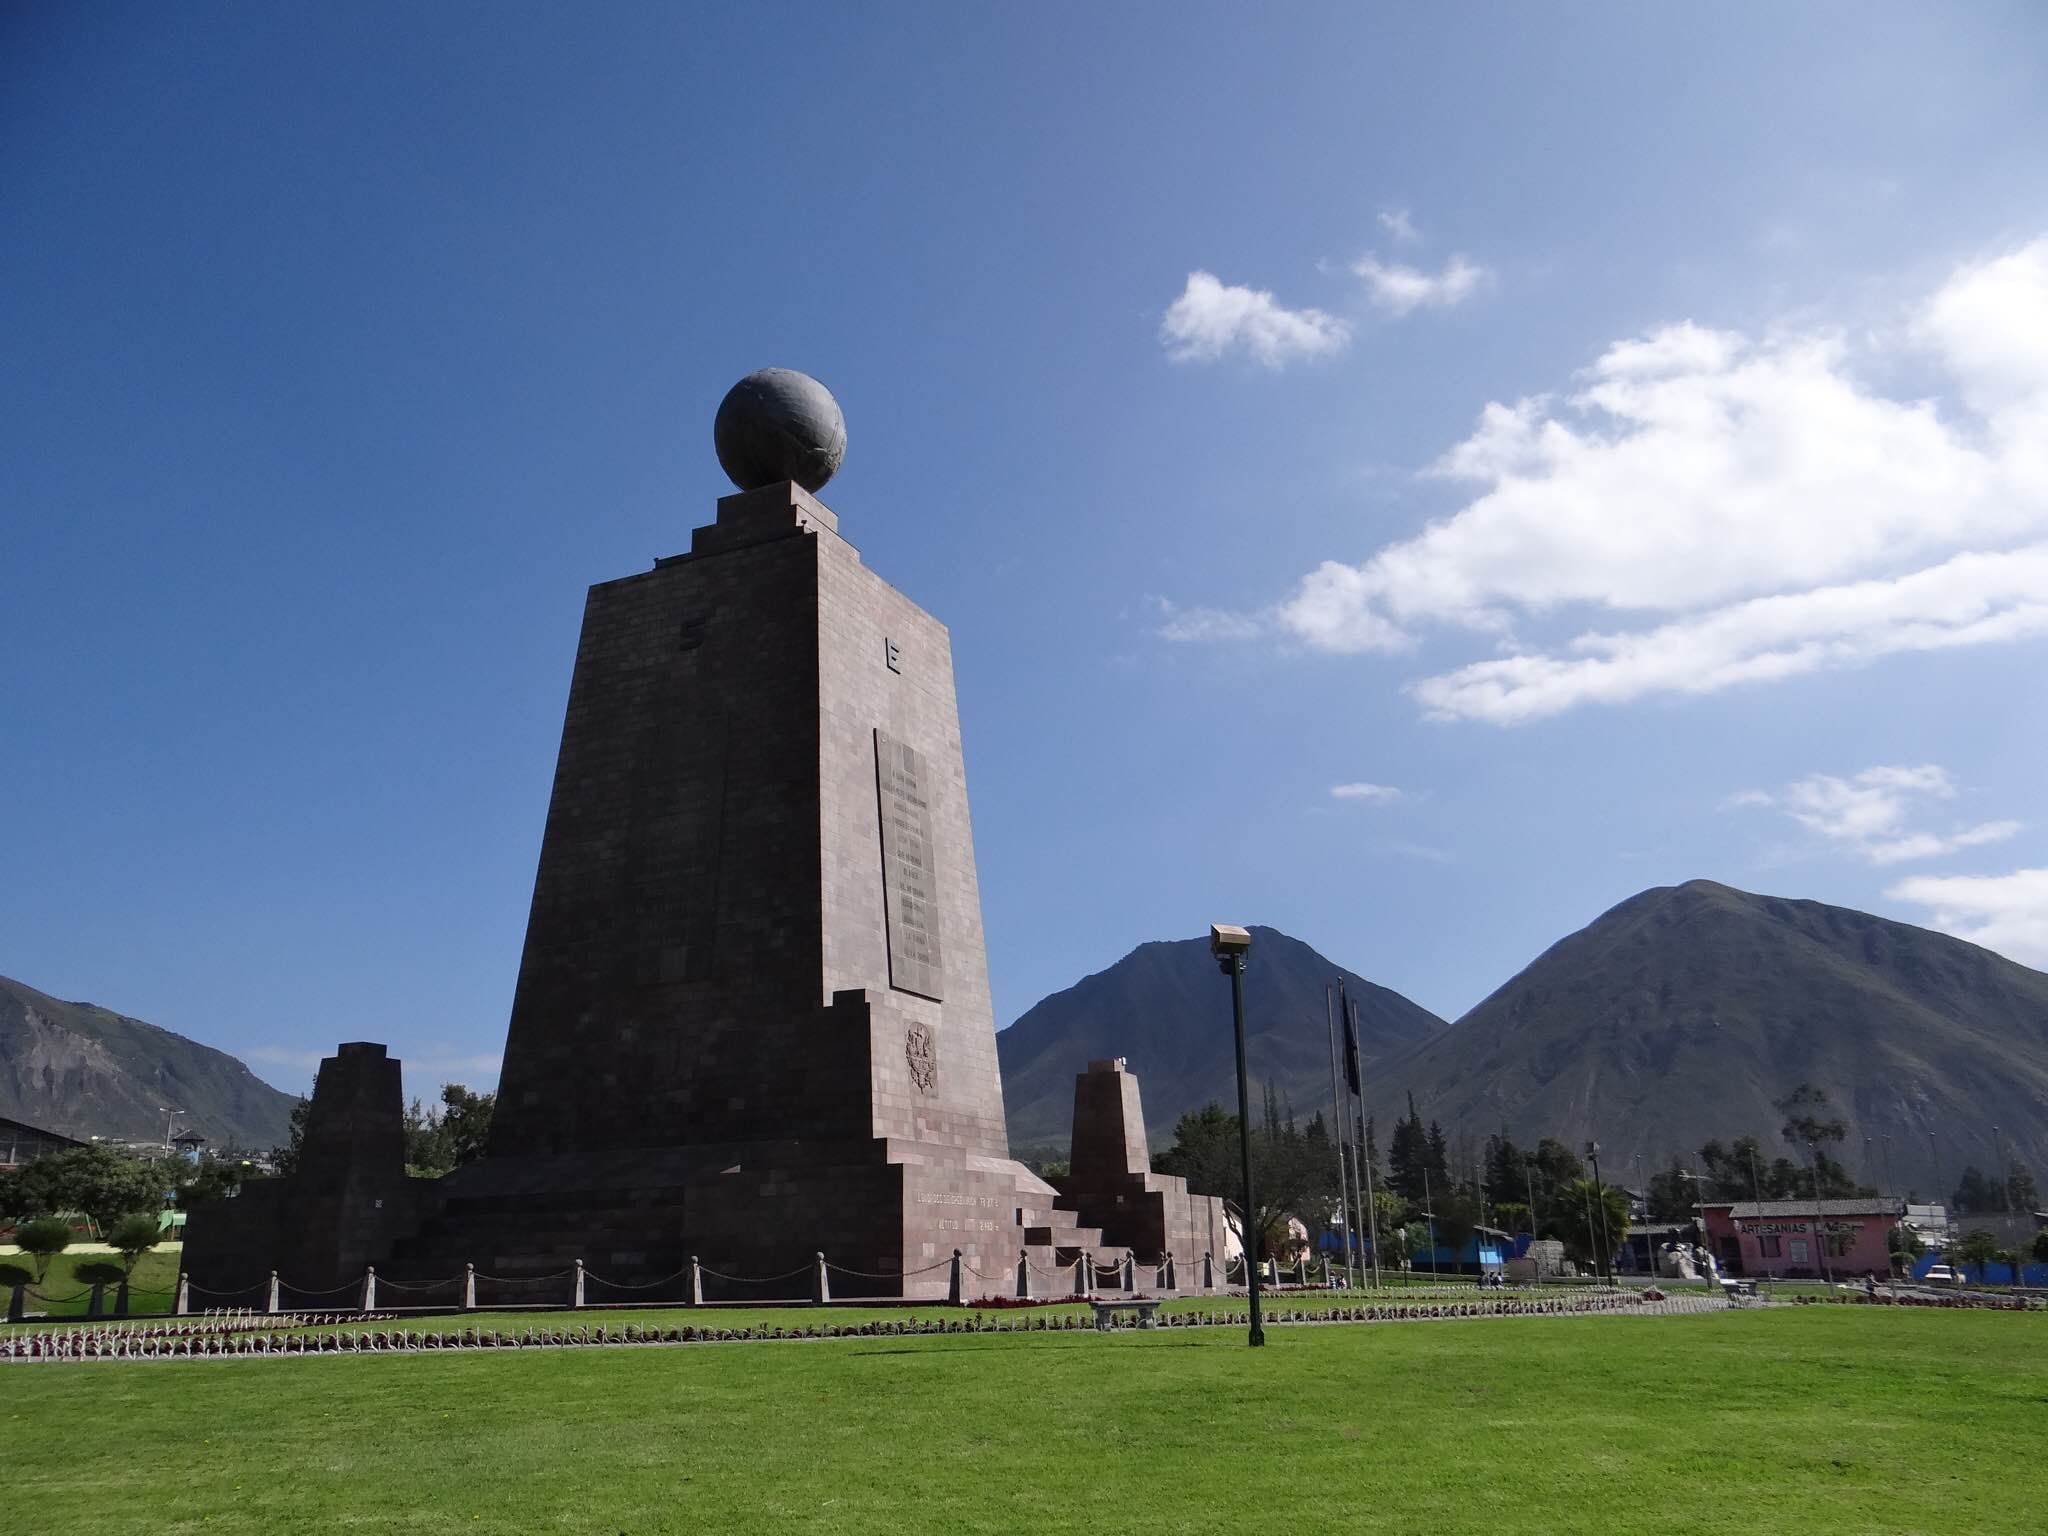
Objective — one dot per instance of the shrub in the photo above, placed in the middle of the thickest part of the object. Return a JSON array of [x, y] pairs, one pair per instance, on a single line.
[[133, 1236], [42, 1240]]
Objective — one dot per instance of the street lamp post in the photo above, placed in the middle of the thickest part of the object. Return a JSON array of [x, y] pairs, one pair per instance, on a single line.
[[1600, 1200], [1229, 945], [1820, 1236], [1649, 1240]]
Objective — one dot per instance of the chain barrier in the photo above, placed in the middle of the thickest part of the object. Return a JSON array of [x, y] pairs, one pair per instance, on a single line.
[[560, 1274], [624, 1285], [769, 1280], [896, 1274], [332, 1290], [225, 1337]]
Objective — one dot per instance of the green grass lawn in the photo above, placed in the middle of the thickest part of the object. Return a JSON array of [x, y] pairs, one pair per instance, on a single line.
[[1857, 1420], [157, 1270]]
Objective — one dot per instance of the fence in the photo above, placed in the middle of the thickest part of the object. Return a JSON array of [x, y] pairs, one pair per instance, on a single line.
[[252, 1334]]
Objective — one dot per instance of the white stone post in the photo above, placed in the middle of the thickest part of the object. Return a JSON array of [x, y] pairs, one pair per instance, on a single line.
[[270, 1298], [370, 1288], [821, 1287], [182, 1305], [576, 1296], [696, 1282], [469, 1287]]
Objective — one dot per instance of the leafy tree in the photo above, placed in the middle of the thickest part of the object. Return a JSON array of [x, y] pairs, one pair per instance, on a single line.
[[97, 1180], [1575, 1221], [2040, 1249], [133, 1236], [1292, 1174], [1978, 1248], [1809, 1118], [1204, 1151], [213, 1180], [1457, 1218], [1512, 1216], [42, 1240], [1671, 1195], [1408, 1154], [441, 1138], [1439, 1159], [2019, 1190], [285, 1159], [1905, 1244], [1976, 1193]]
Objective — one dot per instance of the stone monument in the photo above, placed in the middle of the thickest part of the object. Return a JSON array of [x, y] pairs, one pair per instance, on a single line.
[[1110, 1184], [752, 1018]]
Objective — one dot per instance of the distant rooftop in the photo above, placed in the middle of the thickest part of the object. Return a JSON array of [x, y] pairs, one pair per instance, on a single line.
[[1867, 1205]]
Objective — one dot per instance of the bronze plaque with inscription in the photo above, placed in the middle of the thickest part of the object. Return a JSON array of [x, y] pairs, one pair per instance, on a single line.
[[910, 883]]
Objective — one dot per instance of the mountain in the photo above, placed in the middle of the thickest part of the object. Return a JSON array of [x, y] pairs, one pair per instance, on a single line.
[[1688, 1011], [1166, 1007], [82, 1071]]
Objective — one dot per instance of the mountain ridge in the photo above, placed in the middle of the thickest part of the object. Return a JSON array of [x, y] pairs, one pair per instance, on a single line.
[[1686, 1012], [1158, 992], [83, 1070]]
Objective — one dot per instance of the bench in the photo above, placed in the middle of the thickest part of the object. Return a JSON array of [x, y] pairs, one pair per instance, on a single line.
[[1106, 1311]]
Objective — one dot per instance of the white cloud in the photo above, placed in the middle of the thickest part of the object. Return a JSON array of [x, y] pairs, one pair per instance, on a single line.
[[1370, 794], [2008, 913], [1211, 318], [1396, 222], [1208, 624], [1406, 289], [1969, 600], [1868, 814], [1738, 509]]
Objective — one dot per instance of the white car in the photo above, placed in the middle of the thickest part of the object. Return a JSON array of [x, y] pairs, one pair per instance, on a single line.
[[1941, 1274]]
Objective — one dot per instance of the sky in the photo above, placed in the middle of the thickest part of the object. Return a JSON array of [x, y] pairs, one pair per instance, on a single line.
[[1411, 479]]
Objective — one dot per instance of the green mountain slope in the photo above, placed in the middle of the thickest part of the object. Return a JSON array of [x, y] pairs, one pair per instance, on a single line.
[[1166, 1008], [83, 1071], [1688, 1011]]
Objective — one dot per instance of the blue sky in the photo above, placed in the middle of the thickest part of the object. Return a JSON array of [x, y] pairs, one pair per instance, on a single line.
[[1609, 444]]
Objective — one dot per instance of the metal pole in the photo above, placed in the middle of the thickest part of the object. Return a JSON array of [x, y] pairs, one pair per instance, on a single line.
[[1649, 1242], [1372, 1214], [1429, 1211], [2004, 1175], [1337, 1129], [1234, 964], [1819, 1220], [1600, 1200]]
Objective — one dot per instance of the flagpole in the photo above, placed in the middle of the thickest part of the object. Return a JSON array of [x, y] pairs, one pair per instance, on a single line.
[[1364, 1161], [1337, 1140], [1349, 1013]]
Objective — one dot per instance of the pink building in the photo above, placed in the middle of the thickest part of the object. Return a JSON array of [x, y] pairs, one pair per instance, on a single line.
[[1786, 1237]]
